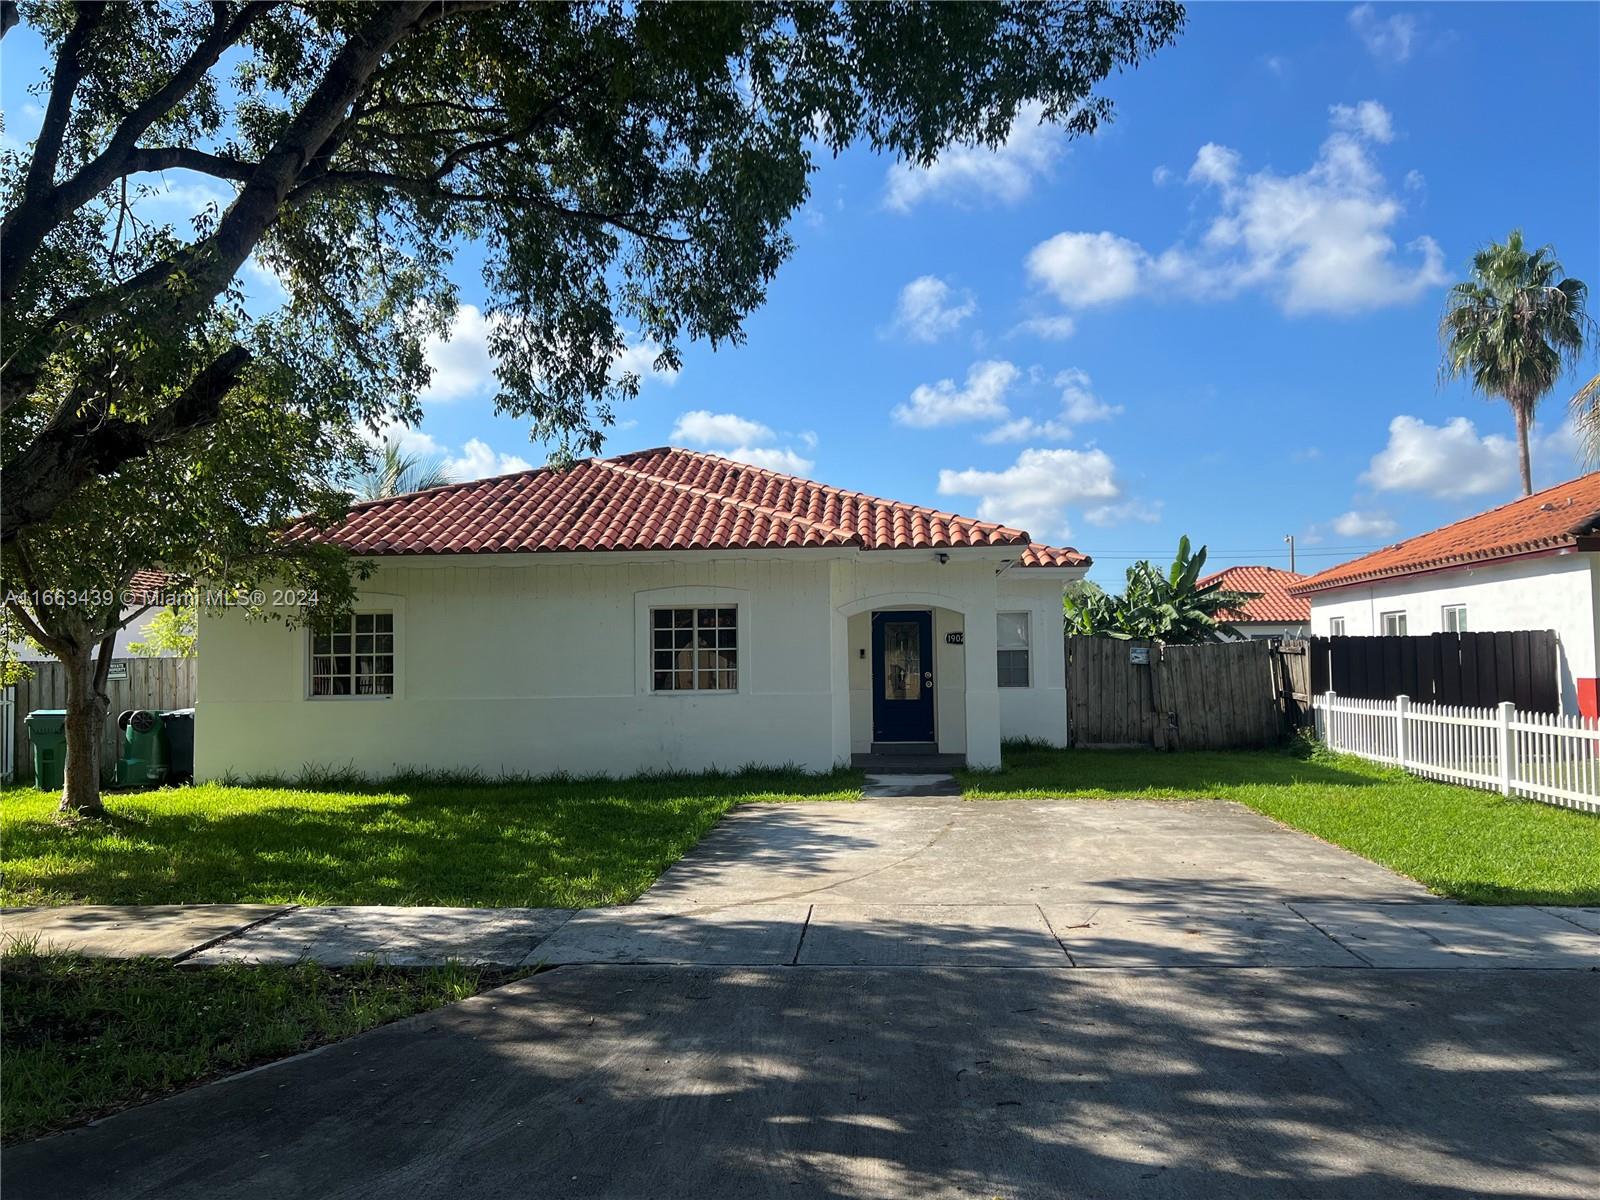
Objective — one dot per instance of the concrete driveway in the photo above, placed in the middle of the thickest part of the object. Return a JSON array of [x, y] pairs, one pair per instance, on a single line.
[[932, 999]]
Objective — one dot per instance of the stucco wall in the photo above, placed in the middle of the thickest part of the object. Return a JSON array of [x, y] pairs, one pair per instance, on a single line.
[[1553, 591], [1038, 711], [540, 664]]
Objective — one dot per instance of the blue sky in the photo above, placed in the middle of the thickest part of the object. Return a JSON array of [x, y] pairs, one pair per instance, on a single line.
[[1216, 317]]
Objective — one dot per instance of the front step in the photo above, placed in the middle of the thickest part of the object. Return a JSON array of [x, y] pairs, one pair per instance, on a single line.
[[908, 764]]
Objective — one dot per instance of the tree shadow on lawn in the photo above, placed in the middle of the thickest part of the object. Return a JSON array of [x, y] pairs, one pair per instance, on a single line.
[[547, 843]]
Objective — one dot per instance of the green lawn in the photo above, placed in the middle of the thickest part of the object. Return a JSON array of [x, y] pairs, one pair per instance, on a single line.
[[1473, 845], [85, 1037], [556, 843]]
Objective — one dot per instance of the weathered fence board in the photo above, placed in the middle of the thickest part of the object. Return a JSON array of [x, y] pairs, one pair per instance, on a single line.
[[160, 683], [1472, 669], [1208, 697]]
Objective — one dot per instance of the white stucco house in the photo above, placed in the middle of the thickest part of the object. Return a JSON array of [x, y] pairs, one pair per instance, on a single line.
[[665, 609], [1274, 612], [1530, 564]]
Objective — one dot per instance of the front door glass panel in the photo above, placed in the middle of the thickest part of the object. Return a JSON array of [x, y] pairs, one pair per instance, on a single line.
[[902, 660]]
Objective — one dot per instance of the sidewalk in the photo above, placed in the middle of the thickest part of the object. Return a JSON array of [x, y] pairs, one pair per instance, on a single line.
[[840, 933]]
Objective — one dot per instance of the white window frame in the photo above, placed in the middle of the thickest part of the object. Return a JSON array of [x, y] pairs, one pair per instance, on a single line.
[[1398, 617], [695, 629], [1444, 618], [1027, 649], [394, 665], [1336, 627]]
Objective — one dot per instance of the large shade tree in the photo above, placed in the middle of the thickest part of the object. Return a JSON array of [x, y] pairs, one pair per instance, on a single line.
[[1512, 327], [627, 169], [625, 172]]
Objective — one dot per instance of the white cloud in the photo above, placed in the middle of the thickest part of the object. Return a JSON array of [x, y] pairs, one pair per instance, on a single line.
[[1079, 404], [774, 458], [964, 174], [1051, 329], [1355, 524], [706, 428], [478, 460], [1146, 512], [1319, 241], [1368, 119], [1448, 461], [1416, 181], [1388, 39], [746, 440], [1083, 269], [461, 363], [1026, 429], [1160, 176], [1035, 492], [982, 398], [640, 358], [929, 308]]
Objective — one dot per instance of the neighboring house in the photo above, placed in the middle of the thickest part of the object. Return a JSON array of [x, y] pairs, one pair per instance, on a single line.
[[663, 610], [1530, 564], [1274, 613]]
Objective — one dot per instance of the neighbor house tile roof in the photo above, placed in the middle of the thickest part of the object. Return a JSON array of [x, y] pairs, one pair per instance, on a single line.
[[1549, 520], [662, 499], [1274, 603]]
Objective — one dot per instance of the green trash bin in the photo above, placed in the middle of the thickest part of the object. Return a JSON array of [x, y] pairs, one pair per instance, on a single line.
[[144, 754], [47, 732]]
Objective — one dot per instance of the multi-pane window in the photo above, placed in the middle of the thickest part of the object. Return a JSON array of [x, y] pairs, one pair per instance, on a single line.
[[1455, 618], [354, 657], [1393, 624], [1011, 649], [1335, 626], [694, 649]]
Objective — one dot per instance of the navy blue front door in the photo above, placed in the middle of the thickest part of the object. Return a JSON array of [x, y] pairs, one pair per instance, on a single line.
[[902, 677]]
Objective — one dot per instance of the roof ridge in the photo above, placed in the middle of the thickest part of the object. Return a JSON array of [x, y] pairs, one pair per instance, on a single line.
[[851, 494], [765, 510]]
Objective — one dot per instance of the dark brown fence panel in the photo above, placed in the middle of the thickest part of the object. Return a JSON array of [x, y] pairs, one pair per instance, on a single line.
[[1475, 669]]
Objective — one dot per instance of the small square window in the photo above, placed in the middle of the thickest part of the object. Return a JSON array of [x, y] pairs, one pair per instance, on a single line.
[[1335, 626], [1455, 618], [1393, 624], [1012, 666], [354, 657], [694, 649]]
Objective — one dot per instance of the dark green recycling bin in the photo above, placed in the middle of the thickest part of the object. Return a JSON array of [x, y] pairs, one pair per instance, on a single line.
[[144, 748], [47, 732]]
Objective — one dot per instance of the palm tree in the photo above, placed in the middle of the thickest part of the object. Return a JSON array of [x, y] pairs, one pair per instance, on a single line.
[[398, 472], [1512, 327], [1586, 416]]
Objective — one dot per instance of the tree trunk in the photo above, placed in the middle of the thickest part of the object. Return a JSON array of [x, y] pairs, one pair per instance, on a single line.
[[1524, 412], [87, 706]]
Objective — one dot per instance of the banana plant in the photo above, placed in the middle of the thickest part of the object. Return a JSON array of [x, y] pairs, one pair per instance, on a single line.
[[1170, 606]]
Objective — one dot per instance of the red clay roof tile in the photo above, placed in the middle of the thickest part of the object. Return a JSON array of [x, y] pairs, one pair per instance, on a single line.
[[1274, 604], [662, 499], [1546, 520]]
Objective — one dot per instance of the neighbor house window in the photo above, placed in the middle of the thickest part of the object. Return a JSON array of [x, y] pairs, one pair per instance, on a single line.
[[1393, 624], [1335, 626], [1011, 649], [354, 657], [694, 649], [1455, 618]]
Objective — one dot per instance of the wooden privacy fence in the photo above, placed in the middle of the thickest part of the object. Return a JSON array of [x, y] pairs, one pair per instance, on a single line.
[[1477, 670], [160, 683], [1542, 756], [1209, 697]]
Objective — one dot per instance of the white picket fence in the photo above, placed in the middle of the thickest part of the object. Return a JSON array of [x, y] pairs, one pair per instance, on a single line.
[[1542, 756]]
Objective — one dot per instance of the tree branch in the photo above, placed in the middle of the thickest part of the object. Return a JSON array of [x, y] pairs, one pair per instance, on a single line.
[[164, 158], [58, 109], [76, 446]]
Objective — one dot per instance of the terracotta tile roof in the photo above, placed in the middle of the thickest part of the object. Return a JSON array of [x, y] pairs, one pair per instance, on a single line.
[[151, 586], [662, 499], [1274, 604], [1037, 555], [1546, 520]]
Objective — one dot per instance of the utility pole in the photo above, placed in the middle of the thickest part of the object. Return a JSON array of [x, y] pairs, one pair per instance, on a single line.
[[1290, 539]]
